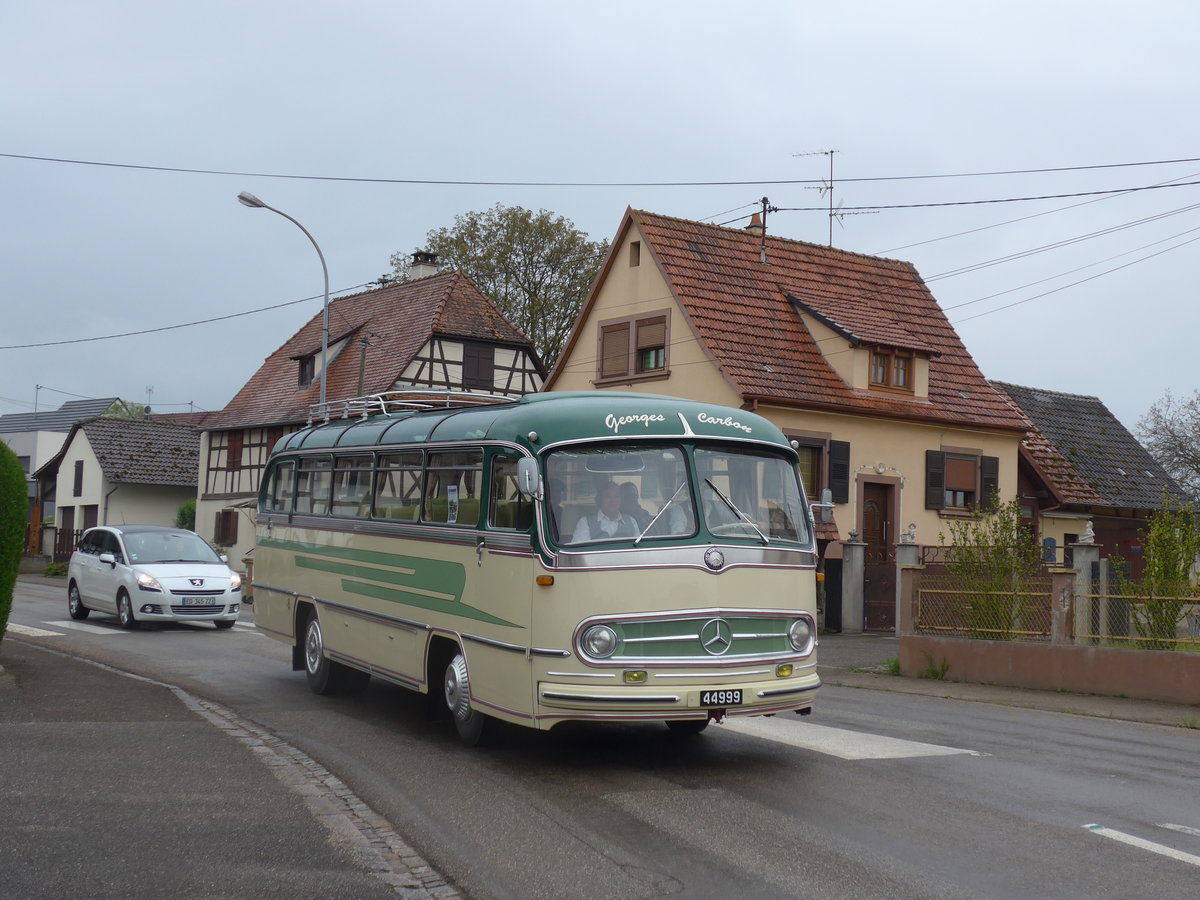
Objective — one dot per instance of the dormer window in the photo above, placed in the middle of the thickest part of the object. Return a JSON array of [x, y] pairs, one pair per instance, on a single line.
[[308, 370], [892, 369]]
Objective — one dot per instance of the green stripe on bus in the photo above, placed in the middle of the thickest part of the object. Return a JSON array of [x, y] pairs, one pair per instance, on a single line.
[[427, 574], [421, 601]]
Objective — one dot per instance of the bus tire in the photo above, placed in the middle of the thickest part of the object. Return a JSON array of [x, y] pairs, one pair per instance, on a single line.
[[326, 677], [473, 726], [686, 727]]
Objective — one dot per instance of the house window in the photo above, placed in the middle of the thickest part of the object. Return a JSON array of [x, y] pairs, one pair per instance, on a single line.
[[635, 254], [824, 464], [959, 481], [479, 366], [234, 444], [892, 369], [308, 370], [77, 488], [225, 533], [810, 470], [633, 348]]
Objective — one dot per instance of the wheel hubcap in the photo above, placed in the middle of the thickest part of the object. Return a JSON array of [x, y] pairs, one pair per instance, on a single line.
[[458, 691], [313, 646]]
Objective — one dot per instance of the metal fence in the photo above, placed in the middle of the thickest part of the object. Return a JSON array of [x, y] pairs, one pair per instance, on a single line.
[[1138, 622], [952, 607]]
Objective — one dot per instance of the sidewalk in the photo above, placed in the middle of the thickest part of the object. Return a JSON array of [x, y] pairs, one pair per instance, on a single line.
[[861, 661]]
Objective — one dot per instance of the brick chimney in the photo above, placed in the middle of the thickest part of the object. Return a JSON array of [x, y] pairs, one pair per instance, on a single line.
[[423, 265]]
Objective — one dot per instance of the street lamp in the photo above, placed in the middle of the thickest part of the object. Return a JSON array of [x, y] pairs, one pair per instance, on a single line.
[[247, 199]]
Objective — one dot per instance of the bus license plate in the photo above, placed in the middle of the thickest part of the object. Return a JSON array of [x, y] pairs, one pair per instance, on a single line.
[[721, 698], [198, 601]]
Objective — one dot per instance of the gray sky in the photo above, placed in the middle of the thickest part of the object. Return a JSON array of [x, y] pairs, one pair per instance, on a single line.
[[613, 92]]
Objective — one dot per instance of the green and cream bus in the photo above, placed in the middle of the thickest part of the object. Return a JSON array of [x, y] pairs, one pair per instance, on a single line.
[[591, 556]]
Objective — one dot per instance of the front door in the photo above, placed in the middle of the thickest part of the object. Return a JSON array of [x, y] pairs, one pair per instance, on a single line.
[[879, 574]]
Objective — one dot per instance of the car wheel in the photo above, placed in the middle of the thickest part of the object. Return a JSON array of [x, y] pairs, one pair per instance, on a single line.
[[75, 603], [684, 727], [125, 612], [325, 676], [224, 623], [473, 726]]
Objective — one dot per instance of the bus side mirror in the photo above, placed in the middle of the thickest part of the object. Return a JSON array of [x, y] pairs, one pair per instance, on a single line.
[[825, 506], [529, 479]]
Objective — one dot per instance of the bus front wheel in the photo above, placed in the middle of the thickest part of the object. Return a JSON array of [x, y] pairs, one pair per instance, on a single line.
[[473, 726]]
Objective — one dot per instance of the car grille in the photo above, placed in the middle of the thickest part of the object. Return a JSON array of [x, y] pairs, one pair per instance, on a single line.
[[747, 636], [205, 593], [198, 610]]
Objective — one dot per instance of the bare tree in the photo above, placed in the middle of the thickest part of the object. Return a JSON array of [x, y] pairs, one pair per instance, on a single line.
[[1170, 430], [537, 267]]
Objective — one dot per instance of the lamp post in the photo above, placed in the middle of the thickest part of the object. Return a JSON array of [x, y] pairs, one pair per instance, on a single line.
[[247, 199]]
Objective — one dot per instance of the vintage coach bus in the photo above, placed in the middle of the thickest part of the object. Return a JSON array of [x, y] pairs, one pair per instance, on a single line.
[[569, 556]]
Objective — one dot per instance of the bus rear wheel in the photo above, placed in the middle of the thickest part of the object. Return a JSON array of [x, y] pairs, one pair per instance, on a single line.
[[473, 726], [326, 677]]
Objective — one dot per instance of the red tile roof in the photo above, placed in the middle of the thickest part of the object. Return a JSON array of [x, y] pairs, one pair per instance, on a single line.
[[745, 312], [402, 317]]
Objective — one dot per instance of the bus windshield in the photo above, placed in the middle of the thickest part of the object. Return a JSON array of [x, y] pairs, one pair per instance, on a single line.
[[645, 493]]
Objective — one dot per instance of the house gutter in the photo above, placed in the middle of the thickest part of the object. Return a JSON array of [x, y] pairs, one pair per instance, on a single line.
[[751, 402], [104, 520]]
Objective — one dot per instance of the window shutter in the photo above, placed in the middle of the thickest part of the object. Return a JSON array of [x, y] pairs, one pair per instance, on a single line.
[[935, 479], [479, 364], [651, 333], [989, 479], [614, 351], [839, 471]]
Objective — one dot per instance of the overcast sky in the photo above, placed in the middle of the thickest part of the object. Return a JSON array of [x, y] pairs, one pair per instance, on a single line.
[[615, 92]]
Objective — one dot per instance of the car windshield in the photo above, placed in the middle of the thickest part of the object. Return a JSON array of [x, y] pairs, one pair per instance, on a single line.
[[750, 495], [631, 492], [146, 547]]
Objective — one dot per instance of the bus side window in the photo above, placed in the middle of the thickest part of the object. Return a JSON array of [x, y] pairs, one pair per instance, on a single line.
[[507, 506], [452, 482], [312, 486], [398, 487]]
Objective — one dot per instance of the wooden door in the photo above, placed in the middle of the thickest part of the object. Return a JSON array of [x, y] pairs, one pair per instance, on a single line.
[[879, 575]]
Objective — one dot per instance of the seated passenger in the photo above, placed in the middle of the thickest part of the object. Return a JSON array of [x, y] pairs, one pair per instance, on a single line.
[[607, 521], [631, 508]]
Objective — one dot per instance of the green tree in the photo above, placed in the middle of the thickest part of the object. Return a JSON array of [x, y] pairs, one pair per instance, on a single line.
[[537, 267], [993, 557], [1170, 430], [1163, 597], [185, 516], [14, 513]]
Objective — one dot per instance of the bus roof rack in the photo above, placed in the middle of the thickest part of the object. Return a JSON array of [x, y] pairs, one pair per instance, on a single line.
[[406, 400]]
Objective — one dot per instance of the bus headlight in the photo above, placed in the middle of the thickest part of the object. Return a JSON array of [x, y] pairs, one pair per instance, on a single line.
[[599, 641], [800, 635]]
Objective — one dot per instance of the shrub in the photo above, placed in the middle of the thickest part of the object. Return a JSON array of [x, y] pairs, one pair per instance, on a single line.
[[186, 516], [14, 511]]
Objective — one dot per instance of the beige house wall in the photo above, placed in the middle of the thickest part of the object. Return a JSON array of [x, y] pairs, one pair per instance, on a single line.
[[637, 290]]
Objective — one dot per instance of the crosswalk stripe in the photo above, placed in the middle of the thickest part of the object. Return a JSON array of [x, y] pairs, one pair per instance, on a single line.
[[1142, 844], [1185, 829], [30, 631], [90, 629], [840, 742]]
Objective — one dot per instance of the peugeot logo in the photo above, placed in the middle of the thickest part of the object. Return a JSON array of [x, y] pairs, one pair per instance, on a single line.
[[716, 636], [714, 558], [197, 582]]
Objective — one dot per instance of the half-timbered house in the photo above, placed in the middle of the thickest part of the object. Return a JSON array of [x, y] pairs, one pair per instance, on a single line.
[[434, 331]]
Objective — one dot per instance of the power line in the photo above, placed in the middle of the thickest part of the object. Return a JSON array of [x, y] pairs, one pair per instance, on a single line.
[[464, 182]]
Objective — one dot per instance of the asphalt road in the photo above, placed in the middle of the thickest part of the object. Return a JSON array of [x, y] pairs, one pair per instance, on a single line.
[[877, 794]]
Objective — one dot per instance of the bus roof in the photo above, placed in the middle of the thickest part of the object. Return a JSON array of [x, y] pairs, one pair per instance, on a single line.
[[541, 420]]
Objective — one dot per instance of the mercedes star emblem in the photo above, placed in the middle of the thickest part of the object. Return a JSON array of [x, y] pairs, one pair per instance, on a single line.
[[714, 558], [716, 636]]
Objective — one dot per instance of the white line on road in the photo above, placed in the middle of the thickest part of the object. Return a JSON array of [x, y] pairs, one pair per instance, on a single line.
[[1195, 832], [90, 629], [840, 742], [29, 631], [1144, 844]]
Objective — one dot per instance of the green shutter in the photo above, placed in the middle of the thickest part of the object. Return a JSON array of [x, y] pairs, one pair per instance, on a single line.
[[935, 479], [989, 480], [839, 471]]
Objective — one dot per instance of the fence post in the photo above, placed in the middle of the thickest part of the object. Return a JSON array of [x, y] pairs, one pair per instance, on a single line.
[[908, 584], [854, 560], [1062, 605], [1087, 558]]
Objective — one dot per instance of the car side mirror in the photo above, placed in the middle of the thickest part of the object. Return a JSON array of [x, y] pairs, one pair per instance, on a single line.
[[108, 558], [224, 557]]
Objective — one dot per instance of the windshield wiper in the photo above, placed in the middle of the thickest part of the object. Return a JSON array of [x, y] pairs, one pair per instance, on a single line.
[[650, 524], [737, 512]]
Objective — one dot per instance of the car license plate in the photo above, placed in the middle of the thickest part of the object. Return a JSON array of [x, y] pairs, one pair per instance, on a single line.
[[721, 698], [198, 601]]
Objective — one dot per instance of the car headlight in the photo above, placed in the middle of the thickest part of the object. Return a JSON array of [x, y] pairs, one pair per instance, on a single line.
[[599, 641], [800, 635], [235, 581], [148, 583]]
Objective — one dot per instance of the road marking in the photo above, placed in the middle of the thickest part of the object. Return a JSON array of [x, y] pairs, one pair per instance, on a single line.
[[1195, 832], [840, 742], [32, 632], [90, 629], [1144, 844]]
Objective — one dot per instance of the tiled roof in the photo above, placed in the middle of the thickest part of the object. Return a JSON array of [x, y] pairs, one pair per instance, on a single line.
[[137, 451], [401, 318], [746, 314], [60, 419], [1089, 455]]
